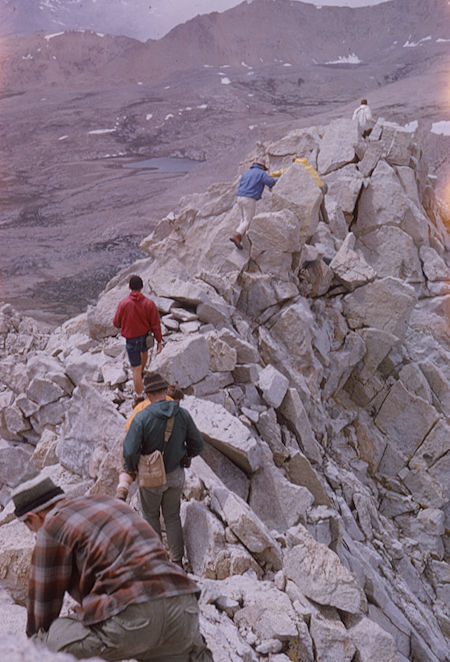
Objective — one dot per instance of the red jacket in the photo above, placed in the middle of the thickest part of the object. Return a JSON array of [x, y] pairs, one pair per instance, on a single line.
[[136, 316]]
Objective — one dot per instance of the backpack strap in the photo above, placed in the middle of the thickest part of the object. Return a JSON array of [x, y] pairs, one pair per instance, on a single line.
[[168, 430]]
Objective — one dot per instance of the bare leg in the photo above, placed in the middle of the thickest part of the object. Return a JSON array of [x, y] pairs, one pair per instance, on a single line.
[[144, 359], [137, 379]]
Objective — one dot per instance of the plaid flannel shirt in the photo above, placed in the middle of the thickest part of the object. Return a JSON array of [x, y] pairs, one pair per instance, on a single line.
[[105, 555]]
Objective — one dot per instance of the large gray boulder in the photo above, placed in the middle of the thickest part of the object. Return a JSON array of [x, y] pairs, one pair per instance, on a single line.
[[209, 554], [427, 332], [331, 639], [273, 385], [246, 352], [270, 432], [277, 231], [185, 362], [43, 391], [337, 147], [279, 503], [225, 432], [13, 424], [434, 447], [350, 267], [247, 527], [297, 192], [20, 649], [369, 153], [378, 344], [15, 463], [268, 613], [222, 357], [301, 472], [344, 186], [384, 202], [405, 418], [372, 642], [299, 142], [91, 422], [293, 326], [293, 411], [224, 639], [16, 545], [434, 266], [384, 304], [100, 317], [397, 143], [319, 574], [392, 252]]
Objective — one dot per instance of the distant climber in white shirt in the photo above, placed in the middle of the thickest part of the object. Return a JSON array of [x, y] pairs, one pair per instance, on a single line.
[[363, 115]]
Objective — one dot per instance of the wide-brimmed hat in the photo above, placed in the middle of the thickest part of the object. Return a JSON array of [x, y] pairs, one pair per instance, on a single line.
[[36, 494], [153, 382]]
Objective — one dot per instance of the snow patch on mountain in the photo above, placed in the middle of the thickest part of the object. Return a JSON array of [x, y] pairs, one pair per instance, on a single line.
[[413, 44], [52, 36], [100, 131], [411, 126], [351, 58], [441, 128]]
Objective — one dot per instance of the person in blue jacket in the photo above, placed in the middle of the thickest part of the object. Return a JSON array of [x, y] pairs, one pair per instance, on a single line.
[[251, 187]]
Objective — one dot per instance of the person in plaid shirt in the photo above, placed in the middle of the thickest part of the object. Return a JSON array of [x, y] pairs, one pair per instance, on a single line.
[[133, 602]]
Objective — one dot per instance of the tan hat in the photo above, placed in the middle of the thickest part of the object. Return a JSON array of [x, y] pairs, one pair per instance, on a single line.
[[153, 382]]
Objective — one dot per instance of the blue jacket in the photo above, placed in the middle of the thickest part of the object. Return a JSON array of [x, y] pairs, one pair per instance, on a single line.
[[253, 181]]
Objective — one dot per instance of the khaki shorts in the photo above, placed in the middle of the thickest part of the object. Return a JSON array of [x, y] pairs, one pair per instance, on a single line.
[[163, 630]]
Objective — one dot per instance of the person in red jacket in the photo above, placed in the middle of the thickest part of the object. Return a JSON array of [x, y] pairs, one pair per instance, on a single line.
[[135, 316]]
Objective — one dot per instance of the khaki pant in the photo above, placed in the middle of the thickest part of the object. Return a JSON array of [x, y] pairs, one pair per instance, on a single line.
[[247, 208], [163, 630], [167, 499]]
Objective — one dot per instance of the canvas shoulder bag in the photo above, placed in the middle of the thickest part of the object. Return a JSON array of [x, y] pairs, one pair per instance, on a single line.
[[151, 470]]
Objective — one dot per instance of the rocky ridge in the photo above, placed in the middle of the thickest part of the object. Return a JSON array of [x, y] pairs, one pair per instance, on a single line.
[[316, 367]]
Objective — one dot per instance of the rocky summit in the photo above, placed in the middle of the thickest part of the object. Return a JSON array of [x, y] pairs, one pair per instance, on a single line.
[[315, 363]]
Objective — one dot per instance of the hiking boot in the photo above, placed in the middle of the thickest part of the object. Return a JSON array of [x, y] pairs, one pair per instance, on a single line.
[[236, 239], [122, 493]]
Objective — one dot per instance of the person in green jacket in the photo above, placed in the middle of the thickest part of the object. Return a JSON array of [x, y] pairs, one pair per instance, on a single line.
[[145, 435]]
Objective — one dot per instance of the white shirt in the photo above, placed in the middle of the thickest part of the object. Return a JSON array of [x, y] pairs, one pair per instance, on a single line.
[[363, 115]]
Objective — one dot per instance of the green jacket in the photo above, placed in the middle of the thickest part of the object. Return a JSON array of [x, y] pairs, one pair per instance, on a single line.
[[146, 434]]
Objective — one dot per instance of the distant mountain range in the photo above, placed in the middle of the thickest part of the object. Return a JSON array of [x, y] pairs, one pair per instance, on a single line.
[[120, 17], [139, 19], [399, 37], [76, 102]]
